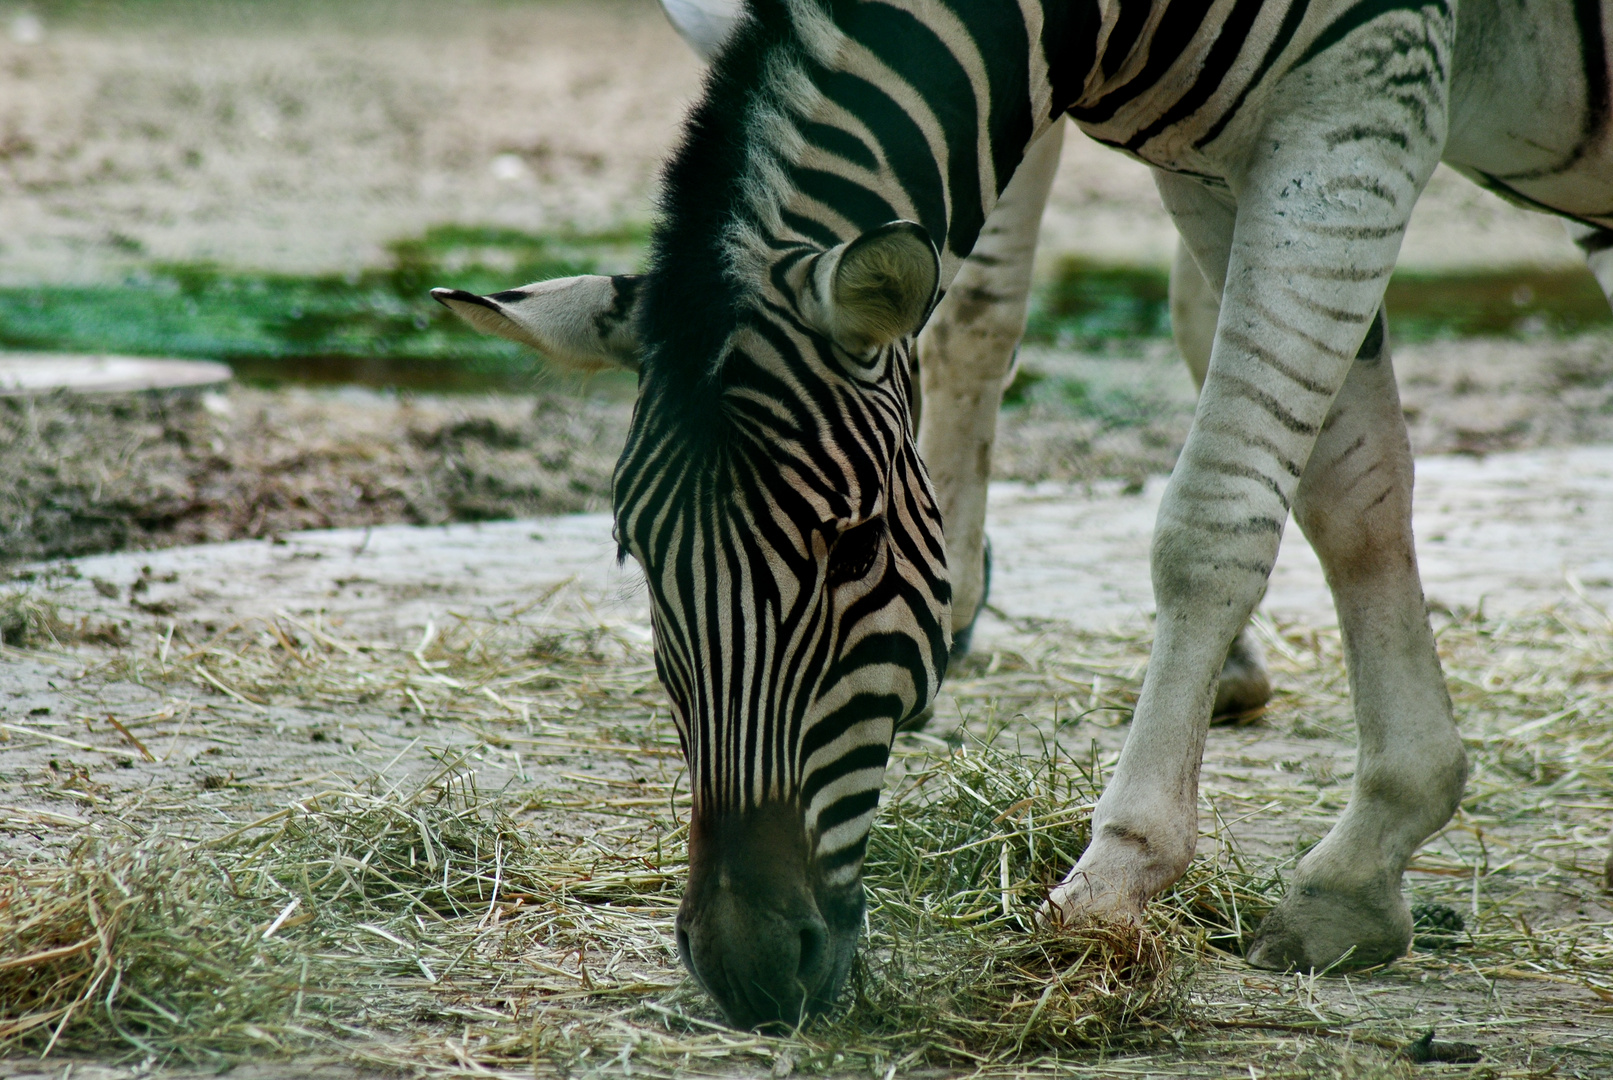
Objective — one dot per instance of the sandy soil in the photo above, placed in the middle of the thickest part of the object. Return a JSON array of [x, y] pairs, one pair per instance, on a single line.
[[300, 137], [82, 475], [1067, 558], [303, 137], [94, 474]]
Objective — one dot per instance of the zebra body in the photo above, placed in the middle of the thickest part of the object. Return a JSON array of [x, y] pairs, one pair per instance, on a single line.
[[843, 165]]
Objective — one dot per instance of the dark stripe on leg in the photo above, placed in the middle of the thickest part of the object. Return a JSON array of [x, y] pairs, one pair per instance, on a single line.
[[1371, 350], [1598, 241]]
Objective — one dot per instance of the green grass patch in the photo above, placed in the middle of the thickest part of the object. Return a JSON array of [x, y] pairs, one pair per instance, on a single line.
[[380, 326], [1088, 305], [377, 326]]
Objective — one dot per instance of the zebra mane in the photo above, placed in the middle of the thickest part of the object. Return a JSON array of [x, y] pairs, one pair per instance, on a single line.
[[721, 191]]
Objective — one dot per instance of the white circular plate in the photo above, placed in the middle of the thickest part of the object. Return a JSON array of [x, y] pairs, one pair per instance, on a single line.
[[40, 373]]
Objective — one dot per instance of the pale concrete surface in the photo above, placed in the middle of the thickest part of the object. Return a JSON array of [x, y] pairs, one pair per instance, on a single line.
[[377, 581], [1505, 531], [38, 373]]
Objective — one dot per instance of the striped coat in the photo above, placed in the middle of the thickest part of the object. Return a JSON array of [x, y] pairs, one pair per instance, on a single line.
[[843, 171]]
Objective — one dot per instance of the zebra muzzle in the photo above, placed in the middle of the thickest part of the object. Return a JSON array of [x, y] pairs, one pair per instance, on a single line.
[[758, 928]]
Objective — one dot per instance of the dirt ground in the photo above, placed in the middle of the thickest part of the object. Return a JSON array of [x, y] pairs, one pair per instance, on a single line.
[[148, 719], [84, 475], [305, 138], [81, 475], [285, 135]]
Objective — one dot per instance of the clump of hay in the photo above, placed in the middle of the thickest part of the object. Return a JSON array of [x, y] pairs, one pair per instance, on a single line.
[[354, 911], [28, 620], [255, 940], [31, 619], [959, 959], [143, 946], [429, 851]]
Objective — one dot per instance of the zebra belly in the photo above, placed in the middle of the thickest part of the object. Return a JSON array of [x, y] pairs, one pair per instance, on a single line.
[[1530, 103]]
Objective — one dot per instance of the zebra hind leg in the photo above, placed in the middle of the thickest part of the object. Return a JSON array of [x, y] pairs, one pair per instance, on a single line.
[[966, 359], [1344, 905], [961, 640], [1245, 685], [1597, 246]]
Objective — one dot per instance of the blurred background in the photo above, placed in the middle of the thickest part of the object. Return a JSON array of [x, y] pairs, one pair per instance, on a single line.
[[276, 183]]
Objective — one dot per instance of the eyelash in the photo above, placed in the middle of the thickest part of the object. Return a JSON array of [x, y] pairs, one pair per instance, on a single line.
[[855, 551]]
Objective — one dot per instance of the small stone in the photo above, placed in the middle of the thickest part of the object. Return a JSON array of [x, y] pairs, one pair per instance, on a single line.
[[1425, 1050]]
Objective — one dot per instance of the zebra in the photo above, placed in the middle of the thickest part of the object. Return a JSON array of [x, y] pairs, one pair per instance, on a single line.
[[837, 173], [969, 353]]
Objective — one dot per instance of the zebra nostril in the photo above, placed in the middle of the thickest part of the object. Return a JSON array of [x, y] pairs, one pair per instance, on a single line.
[[814, 956], [682, 937]]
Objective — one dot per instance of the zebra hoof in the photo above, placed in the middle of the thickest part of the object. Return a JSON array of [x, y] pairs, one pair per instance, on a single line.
[[1245, 686], [1315, 929]]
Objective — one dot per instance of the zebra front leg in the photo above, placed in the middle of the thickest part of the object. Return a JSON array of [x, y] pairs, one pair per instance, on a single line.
[[1145, 826], [1245, 685], [1344, 904], [966, 359], [1323, 188]]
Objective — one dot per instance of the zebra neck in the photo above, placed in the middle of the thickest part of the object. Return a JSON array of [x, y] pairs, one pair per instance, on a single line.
[[827, 118], [916, 111]]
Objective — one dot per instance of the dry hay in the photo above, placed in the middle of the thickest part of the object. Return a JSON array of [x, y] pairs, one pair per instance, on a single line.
[[378, 910], [143, 946], [29, 619], [421, 923]]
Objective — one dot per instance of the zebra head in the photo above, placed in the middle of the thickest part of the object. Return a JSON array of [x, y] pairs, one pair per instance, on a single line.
[[771, 491]]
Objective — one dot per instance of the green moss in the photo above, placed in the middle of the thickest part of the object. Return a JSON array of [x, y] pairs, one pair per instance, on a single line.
[[1518, 302], [333, 327], [1086, 305], [381, 326]]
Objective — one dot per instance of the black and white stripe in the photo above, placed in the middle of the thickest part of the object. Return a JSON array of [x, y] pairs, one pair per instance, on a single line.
[[794, 558], [772, 493], [753, 449]]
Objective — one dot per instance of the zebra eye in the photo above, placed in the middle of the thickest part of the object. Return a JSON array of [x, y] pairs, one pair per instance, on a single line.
[[855, 551]]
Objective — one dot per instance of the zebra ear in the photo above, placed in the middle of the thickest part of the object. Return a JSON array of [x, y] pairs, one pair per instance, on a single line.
[[876, 289], [581, 323]]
